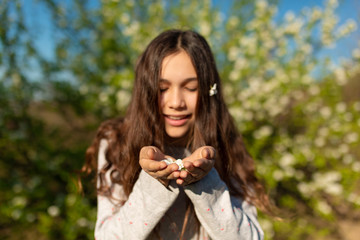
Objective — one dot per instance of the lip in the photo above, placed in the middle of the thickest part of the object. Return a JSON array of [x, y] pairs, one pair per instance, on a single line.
[[177, 120]]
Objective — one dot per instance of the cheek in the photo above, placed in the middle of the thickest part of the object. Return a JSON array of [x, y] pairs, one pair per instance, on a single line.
[[161, 101], [193, 102]]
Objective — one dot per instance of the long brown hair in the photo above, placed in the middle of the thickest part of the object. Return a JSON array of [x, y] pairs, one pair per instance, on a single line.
[[144, 126]]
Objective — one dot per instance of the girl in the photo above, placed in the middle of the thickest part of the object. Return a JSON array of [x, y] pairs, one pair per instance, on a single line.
[[177, 111]]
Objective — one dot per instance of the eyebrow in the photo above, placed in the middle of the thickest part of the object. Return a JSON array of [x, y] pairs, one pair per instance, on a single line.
[[186, 80]]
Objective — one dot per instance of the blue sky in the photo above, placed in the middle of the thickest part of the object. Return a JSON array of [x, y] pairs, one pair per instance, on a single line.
[[347, 9]]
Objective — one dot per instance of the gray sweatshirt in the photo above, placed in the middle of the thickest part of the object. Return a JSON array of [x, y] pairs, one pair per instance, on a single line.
[[151, 204]]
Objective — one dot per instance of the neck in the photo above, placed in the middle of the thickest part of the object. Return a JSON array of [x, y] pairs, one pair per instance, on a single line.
[[182, 142]]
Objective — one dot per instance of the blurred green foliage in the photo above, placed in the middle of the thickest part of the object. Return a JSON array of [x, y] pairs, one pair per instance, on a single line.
[[299, 113]]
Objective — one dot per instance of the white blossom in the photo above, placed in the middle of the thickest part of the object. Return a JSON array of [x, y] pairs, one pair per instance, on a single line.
[[71, 199], [306, 189], [289, 16], [205, 28], [347, 28], [248, 116], [233, 21], [84, 89], [299, 175], [122, 99], [356, 166], [341, 107], [267, 227], [306, 48], [294, 27], [125, 18], [19, 201], [53, 211], [329, 182], [17, 188], [323, 207], [131, 29], [319, 142], [241, 63], [236, 112], [287, 160], [263, 132], [340, 76], [314, 90], [356, 53], [325, 112], [278, 175], [344, 148], [357, 106], [234, 75], [335, 126], [289, 171], [82, 222], [16, 214], [348, 117], [332, 3], [351, 137], [315, 14], [347, 159], [103, 97], [16, 79], [30, 217], [354, 198], [323, 131], [261, 5], [233, 53], [335, 189]]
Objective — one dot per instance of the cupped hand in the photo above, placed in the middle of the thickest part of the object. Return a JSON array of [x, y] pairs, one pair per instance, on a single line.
[[197, 165], [150, 161]]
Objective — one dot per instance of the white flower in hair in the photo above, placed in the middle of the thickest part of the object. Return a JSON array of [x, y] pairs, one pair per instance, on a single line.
[[213, 90]]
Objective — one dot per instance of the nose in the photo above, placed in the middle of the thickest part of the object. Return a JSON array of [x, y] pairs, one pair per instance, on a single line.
[[176, 99]]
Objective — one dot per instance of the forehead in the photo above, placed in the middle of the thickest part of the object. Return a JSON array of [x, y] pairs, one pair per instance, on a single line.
[[177, 65]]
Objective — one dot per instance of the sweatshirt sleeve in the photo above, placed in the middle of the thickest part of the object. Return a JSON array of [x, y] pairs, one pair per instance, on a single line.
[[221, 215], [144, 208]]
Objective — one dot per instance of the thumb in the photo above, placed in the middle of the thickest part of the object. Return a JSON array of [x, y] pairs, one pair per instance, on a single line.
[[154, 153], [148, 152], [207, 152]]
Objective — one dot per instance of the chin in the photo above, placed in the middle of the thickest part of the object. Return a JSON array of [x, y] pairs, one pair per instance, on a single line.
[[177, 133]]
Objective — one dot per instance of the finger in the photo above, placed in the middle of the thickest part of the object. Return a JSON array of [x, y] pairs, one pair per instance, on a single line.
[[184, 174], [194, 170], [189, 179], [180, 181], [155, 153], [188, 165], [207, 152], [166, 172], [173, 175], [146, 151], [151, 152], [203, 163], [169, 157], [150, 165]]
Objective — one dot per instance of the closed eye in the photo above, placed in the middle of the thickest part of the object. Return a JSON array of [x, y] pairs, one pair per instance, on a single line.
[[191, 89]]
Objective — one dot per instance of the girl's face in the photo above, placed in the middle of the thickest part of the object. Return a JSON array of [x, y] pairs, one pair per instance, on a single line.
[[178, 94]]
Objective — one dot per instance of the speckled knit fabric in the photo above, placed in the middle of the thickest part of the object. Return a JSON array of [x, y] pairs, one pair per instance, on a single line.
[[221, 215]]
